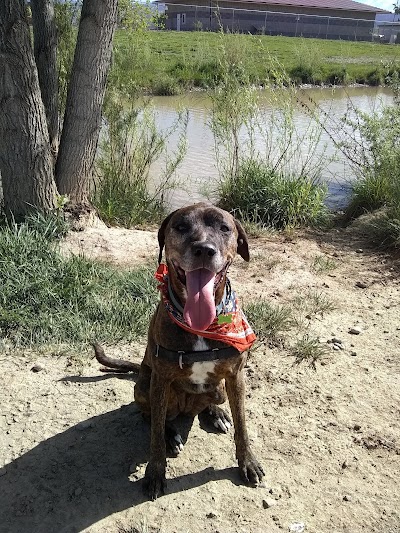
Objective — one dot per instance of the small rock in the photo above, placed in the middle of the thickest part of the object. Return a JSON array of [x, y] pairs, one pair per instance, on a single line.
[[297, 527], [347, 498], [355, 331], [37, 368], [345, 465], [353, 354], [335, 340], [361, 284], [211, 515], [268, 502], [357, 427], [78, 491], [359, 251], [337, 347]]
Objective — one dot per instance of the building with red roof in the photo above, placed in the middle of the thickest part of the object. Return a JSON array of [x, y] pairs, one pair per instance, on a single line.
[[327, 19]]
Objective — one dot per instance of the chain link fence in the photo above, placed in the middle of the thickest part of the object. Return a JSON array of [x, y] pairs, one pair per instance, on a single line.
[[185, 17]]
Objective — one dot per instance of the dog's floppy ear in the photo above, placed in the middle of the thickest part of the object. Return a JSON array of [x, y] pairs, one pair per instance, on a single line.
[[242, 242], [161, 234]]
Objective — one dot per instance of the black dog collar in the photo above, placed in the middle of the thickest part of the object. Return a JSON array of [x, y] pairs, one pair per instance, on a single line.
[[188, 358]]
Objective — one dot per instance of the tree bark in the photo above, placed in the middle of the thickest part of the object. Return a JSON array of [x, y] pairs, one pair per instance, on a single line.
[[45, 49], [26, 161], [82, 120]]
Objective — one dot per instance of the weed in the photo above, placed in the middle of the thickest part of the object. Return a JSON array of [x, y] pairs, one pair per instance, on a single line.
[[264, 196], [313, 303], [124, 194], [322, 264], [269, 322], [308, 350], [51, 226], [46, 298]]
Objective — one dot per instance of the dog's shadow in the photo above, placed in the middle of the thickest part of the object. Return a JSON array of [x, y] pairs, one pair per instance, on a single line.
[[79, 476]]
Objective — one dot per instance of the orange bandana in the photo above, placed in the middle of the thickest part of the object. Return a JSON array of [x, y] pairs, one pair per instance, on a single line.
[[230, 325]]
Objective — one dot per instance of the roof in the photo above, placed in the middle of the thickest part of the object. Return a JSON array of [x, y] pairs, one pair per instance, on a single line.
[[347, 5], [344, 5]]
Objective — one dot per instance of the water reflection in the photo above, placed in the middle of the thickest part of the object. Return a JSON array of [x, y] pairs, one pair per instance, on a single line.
[[198, 173]]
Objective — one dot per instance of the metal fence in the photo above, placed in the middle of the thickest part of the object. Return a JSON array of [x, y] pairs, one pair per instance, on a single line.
[[186, 17]]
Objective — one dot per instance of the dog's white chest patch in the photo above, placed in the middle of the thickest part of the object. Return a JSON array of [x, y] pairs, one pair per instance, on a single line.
[[201, 370]]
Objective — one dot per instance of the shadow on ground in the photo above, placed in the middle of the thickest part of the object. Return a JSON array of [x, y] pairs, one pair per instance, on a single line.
[[79, 476]]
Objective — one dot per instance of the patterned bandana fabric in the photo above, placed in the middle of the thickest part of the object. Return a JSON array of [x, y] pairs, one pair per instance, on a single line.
[[230, 324]]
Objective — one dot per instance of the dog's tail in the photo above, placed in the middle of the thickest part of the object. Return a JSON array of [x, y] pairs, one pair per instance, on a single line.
[[113, 365]]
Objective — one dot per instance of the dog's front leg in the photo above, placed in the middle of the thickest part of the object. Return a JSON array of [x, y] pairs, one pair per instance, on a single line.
[[250, 469], [154, 479]]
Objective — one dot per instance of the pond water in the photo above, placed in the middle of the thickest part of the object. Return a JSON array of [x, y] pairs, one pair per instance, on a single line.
[[198, 173]]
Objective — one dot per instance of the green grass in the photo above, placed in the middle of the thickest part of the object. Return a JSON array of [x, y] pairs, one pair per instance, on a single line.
[[46, 298], [264, 196], [322, 264], [153, 59], [308, 350], [270, 322], [313, 303]]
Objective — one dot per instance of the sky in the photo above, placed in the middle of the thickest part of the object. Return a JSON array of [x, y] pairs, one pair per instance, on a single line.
[[383, 4]]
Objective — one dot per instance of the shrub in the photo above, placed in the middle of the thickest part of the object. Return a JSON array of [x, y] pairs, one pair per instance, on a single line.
[[302, 74], [125, 194], [260, 194], [374, 148]]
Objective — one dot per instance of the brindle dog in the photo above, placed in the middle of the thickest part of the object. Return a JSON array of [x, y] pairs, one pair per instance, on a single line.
[[200, 243]]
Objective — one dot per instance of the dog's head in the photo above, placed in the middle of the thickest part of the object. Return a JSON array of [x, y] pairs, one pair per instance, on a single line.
[[200, 243]]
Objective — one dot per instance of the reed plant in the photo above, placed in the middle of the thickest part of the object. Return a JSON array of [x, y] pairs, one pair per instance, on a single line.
[[273, 182], [125, 194]]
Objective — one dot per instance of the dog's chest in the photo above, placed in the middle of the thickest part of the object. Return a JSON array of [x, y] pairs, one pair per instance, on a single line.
[[201, 371]]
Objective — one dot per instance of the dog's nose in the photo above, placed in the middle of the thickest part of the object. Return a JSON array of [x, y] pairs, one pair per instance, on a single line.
[[204, 250]]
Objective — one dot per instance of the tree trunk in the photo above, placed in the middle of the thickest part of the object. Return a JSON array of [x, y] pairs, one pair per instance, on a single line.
[[45, 49], [82, 120], [26, 161]]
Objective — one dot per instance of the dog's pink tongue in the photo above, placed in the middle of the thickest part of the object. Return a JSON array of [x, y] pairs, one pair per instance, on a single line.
[[199, 311]]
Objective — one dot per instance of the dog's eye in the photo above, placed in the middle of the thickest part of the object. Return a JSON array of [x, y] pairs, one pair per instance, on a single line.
[[224, 228], [182, 228]]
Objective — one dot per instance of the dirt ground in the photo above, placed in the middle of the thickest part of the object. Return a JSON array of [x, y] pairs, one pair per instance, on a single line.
[[73, 445]]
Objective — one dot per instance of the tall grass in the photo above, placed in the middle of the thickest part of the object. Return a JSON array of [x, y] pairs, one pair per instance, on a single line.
[[375, 158], [47, 298], [370, 143], [262, 195], [274, 182], [125, 194]]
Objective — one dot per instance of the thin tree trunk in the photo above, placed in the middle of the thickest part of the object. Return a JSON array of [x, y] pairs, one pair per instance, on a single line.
[[26, 161], [82, 120], [45, 49]]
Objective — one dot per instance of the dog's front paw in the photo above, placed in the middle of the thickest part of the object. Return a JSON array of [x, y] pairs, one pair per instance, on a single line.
[[215, 417], [250, 470], [154, 482]]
